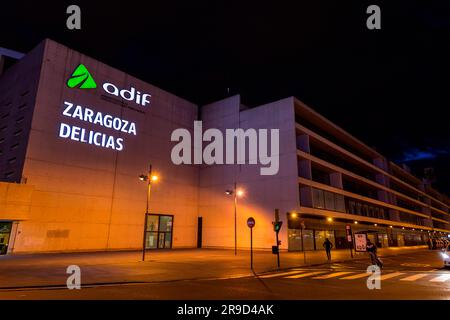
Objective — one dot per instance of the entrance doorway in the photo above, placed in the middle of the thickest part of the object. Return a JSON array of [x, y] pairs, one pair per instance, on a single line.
[[159, 231], [5, 232]]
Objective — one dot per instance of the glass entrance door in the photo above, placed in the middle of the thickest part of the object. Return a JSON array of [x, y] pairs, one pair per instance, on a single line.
[[158, 234], [5, 232]]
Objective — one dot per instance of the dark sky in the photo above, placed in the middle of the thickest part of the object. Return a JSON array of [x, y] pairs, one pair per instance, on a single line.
[[388, 87]]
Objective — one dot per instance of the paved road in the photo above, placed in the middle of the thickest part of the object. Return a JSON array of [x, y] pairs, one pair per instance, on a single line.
[[413, 276]]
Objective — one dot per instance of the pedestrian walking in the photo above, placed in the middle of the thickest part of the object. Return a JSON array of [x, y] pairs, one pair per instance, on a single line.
[[372, 249], [328, 246]]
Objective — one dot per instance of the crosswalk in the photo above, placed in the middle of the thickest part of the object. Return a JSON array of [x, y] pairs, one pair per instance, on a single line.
[[431, 276]]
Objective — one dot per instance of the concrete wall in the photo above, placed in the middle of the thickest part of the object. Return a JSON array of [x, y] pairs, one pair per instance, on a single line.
[[262, 194], [18, 89], [90, 198]]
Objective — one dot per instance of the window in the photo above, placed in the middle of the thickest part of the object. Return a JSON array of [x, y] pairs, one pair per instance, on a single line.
[[158, 233], [318, 199], [20, 120], [8, 175], [328, 200]]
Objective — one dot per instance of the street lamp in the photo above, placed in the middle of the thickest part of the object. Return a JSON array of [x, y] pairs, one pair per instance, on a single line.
[[236, 193], [149, 178]]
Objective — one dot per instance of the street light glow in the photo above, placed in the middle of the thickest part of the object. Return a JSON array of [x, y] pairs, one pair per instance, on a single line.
[[155, 178], [330, 219], [356, 222], [294, 215], [239, 193]]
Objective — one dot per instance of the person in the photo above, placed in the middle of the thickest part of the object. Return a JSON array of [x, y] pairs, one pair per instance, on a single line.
[[372, 249], [328, 246]]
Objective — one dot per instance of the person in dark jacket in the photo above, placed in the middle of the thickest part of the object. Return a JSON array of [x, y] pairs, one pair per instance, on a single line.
[[372, 249], [328, 246]]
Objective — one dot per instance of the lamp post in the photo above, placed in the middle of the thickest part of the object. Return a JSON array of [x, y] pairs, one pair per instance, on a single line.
[[236, 193], [149, 178]]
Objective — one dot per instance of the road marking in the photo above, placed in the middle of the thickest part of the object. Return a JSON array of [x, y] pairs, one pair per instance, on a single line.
[[356, 276], [391, 275], [332, 275], [416, 265], [303, 275], [442, 278], [280, 274], [415, 277]]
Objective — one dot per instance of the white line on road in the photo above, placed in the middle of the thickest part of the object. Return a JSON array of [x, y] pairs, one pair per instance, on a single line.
[[442, 278], [391, 275], [332, 275], [280, 274], [356, 276], [415, 277], [297, 276]]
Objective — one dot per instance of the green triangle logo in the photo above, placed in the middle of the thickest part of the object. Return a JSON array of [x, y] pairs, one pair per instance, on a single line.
[[81, 78]]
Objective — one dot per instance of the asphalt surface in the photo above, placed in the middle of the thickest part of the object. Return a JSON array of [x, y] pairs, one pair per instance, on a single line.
[[418, 275]]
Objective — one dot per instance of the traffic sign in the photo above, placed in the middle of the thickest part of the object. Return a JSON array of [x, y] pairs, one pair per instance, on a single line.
[[348, 233], [250, 222]]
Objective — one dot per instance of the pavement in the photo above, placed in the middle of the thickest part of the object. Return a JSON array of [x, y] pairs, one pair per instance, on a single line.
[[415, 275], [109, 268]]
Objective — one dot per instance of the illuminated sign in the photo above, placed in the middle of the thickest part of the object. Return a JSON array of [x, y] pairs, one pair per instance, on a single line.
[[92, 137], [130, 95], [82, 78]]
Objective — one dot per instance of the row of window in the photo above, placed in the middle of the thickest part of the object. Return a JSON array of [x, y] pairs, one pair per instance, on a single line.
[[410, 218], [365, 209], [323, 177], [328, 200], [340, 162], [309, 125]]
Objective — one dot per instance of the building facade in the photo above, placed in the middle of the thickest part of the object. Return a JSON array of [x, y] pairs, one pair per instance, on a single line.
[[75, 134]]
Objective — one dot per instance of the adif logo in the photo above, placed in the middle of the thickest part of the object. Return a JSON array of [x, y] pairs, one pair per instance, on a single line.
[[82, 78], [130, 95]]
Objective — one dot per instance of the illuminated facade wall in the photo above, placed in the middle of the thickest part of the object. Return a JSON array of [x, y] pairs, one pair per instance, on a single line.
[[89, 197], [262, 193]]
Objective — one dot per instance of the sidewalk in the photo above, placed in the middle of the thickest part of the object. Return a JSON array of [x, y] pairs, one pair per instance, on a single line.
[[48, 270]]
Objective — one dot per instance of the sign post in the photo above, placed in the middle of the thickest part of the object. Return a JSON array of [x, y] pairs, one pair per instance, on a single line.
[[276, 227], [302, 224], [251, 224], [348, 233]]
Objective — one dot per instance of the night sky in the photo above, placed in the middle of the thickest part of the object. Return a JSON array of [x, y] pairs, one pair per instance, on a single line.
[[388, 87]]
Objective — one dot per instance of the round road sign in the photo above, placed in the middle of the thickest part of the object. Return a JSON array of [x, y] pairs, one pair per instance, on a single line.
[[250, 222]]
